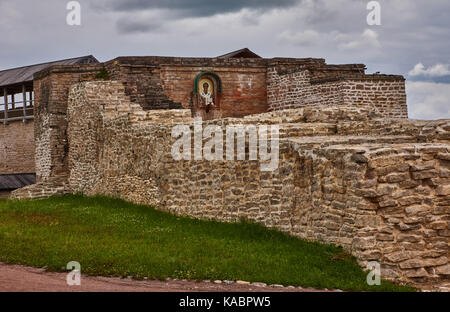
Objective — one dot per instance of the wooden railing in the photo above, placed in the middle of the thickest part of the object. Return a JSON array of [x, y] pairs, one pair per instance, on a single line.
[[17, 114], [20, 110]]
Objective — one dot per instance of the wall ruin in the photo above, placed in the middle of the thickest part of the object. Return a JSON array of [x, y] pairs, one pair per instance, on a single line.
[[380, 192], [302, 87], [353, 170]]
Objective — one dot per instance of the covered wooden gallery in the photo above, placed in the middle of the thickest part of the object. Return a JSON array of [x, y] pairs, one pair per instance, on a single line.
[[16, 118], [16, 88]]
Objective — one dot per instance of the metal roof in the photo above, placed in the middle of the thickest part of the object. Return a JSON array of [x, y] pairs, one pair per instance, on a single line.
[[16, 181], [25, 73], [245, 53]]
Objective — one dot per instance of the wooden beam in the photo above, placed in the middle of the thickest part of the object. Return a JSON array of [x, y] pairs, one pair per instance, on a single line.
[[5, 94], [13, 100], [24, 102], [31, 98]]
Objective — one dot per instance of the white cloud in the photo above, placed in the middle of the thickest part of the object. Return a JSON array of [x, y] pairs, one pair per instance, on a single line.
[[368, 39], [438, 70], [428, 100]]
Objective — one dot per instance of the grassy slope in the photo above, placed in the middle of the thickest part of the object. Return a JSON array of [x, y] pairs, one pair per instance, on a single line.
[[113, 237]]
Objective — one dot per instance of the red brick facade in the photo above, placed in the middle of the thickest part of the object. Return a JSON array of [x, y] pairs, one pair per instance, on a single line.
[[17, 148]]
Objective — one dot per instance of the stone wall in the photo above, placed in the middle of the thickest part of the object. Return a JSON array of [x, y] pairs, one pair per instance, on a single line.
[[347, 175], [249, 86], [386, 93], [303, 87], [17, 148], [383, 195], [50, 123], [383, 202], [293, 89]]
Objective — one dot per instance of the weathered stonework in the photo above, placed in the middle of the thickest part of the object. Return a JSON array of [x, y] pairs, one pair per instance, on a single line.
[[383, 195], [299, 87], [50, 123], [353, 170]]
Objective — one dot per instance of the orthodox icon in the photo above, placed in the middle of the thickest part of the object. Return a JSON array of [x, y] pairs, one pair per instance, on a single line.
[[206, 91]]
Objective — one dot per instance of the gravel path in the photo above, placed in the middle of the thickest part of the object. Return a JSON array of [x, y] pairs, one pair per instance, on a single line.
[[16, 278]]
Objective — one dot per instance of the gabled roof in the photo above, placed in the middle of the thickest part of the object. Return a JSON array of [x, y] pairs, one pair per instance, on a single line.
[[25, 73], [244, 53], [16, 181]]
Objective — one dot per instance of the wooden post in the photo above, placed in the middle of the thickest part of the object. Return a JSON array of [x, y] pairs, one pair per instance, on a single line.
[[5, 94], [13, 101], [24, 95]]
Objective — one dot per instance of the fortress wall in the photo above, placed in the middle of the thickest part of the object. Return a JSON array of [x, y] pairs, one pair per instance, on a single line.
[[386, 93], [50, 123], [167, 83], [170, 86], [128, 155], [142, 84], [17, 147], [243, 89], [384, 200], [296, 88], [116, 148]]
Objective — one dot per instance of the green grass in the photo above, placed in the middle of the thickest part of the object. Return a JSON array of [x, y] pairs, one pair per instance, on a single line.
[[111, 237]]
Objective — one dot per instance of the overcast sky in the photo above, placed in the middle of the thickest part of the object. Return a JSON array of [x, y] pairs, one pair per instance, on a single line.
[[413, 39]]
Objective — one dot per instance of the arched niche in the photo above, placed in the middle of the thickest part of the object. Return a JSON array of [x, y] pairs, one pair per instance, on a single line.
[[207, 91]]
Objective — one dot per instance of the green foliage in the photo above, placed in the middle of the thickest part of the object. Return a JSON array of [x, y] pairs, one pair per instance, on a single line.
[[111, 237], [102, 74]]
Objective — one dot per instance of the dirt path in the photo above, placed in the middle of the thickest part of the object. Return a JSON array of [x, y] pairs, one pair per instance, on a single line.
[[15, 278]]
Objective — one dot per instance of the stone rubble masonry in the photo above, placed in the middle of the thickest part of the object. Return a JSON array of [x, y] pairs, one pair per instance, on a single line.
[[50, 123], [353, 171], [249, 86], [347, 176]]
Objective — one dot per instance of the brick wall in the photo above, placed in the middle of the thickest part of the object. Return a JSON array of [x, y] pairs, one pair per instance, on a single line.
[[386, 93], [142, 84], [243, 89], [294, 90], [168, 83], [289, 88], [17, 147]]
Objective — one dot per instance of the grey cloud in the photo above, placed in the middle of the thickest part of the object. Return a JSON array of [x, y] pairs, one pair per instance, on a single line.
[[197, 8], [444, 79], [125, 26], [412, 32]]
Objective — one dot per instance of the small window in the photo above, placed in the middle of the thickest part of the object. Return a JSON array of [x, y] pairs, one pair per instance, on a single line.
[[18, 100]]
